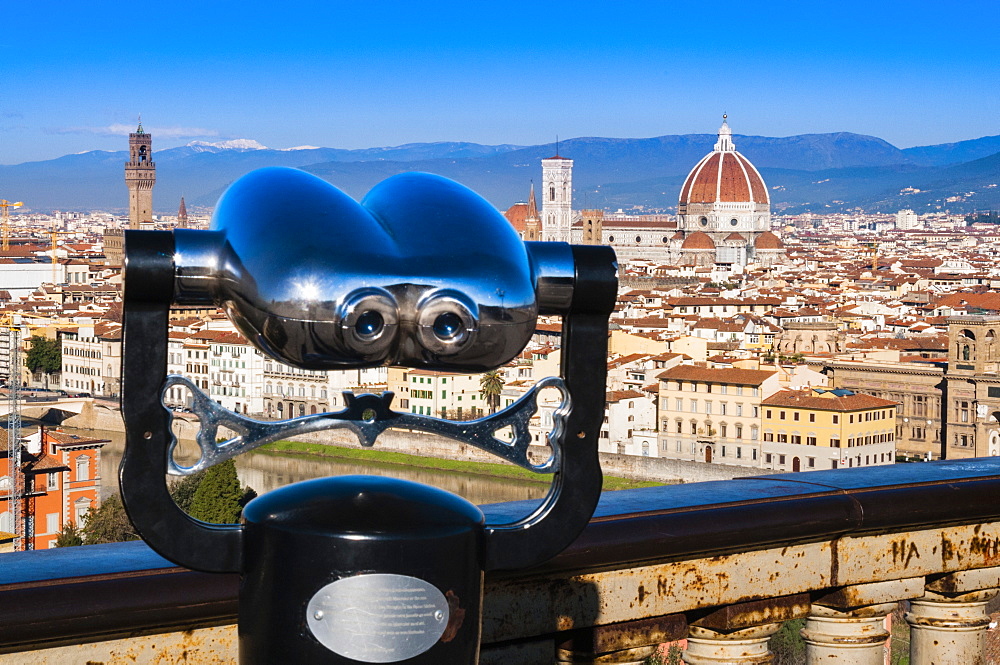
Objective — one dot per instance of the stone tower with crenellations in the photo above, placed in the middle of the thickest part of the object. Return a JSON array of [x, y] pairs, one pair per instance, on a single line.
[[140, 176]]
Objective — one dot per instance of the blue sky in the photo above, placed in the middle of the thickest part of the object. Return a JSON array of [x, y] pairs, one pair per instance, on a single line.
[[75, 75]]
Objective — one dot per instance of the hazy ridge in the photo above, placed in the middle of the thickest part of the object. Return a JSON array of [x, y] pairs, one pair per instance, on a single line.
[[811, 172]]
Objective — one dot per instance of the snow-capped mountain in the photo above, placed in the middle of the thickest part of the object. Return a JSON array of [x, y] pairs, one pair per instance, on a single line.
[[232, 144]]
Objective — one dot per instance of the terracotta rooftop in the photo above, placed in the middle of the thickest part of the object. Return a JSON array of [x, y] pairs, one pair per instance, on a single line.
[[826, 401], [619, 395], [744, 377]]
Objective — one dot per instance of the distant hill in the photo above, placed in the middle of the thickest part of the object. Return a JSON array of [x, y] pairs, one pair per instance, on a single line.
[[953, 153], [817, 172]]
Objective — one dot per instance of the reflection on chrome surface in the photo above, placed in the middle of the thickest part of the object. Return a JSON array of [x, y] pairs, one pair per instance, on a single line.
[[422, 273]]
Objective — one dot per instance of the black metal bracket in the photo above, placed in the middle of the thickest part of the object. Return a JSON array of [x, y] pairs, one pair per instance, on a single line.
[[576, 484]]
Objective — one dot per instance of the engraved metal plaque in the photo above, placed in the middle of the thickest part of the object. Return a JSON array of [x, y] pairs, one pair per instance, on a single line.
[[378, 618]]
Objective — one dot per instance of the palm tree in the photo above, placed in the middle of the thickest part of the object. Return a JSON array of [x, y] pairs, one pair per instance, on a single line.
[[490, 387]]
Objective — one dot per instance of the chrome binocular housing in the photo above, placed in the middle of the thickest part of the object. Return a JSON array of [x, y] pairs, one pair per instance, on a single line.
[[422, 273]]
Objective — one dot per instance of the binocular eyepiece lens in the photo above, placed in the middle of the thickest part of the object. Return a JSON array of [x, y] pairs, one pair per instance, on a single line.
[[447, 325], [368, 320], [369, 324]]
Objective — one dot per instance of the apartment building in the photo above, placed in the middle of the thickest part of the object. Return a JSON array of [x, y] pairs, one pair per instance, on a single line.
[[439, 394], [290, 392], [713, 414], [627, 412], [91, 358], [59, 482], [236, 372], [806, 430]]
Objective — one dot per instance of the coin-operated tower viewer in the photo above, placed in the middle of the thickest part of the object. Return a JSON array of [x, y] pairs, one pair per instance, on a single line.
[[422, 273]]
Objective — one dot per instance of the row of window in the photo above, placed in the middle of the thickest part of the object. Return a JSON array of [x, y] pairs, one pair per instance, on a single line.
[[269, 389], [721, 388], [868, 416], [920, 433], [80, 353], [89, 371], [796, 439], [428, 411], [427, 379], [725, 450], [638, 240], [82, 385], [709, 429], [281, 368], [811, 461], [226, 362], [723, 407], [231, 350]]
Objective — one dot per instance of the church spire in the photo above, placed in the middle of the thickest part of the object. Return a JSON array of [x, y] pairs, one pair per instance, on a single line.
[[532, 206], [182, 214], [140, 130]]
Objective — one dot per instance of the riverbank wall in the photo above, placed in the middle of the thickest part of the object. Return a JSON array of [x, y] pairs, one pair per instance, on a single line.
[[102, 416]]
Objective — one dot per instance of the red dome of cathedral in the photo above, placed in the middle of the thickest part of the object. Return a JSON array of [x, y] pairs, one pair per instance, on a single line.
[[768, 240], [723, 176], [698, 240]]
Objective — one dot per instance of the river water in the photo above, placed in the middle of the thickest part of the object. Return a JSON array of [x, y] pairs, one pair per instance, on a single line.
[[265, 472]]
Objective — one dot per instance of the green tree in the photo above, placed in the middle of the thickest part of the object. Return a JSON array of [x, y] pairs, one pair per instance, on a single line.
[[44, 355], [70, 536], [218, 496], [108, 524], [490, 387], [249, 494], [787, 644], [182, 491]]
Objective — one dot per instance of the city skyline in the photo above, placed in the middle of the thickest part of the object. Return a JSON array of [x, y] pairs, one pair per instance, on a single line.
[[336, 75]]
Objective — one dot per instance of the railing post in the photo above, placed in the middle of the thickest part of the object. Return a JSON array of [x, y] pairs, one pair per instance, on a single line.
[[848, 625], [635, 656], [747, 646], [628, 643], [855, 636], [948, 624]]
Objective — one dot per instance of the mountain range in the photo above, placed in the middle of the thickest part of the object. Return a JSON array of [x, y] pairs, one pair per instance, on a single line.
[[819, 173]]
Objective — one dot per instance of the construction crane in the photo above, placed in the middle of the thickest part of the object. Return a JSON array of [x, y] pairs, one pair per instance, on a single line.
[[55, 261], [4, 205], [22, 539]]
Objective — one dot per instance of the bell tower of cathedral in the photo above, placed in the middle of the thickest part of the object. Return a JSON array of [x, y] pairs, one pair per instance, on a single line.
[[557, 198], [140, 176]]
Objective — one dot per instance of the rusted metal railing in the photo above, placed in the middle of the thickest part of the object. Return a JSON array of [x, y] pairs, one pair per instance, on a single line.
[[719, 563]]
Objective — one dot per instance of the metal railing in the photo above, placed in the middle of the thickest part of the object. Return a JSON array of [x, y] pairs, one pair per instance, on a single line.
[[719, 563]]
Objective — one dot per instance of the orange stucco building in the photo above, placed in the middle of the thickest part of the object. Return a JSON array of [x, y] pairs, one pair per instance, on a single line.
[[59, 481]]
